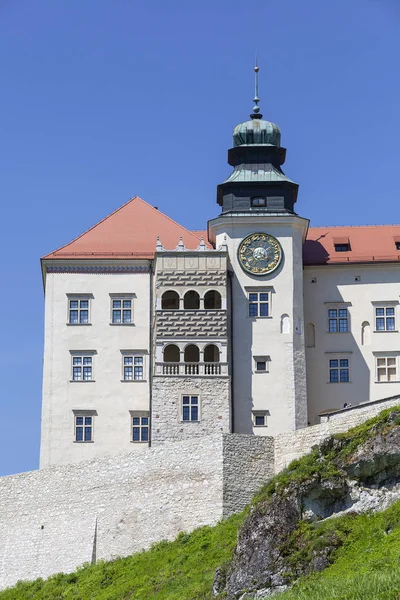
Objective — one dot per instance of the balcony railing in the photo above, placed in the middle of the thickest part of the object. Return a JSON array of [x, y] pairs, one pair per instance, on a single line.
[[213, 369]]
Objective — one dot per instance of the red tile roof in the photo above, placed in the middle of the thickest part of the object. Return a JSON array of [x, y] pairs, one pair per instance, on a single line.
[[129, 232], [368, 243]]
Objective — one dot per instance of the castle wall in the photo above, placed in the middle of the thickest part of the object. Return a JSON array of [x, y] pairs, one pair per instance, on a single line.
[[295, 444], [55, 519]]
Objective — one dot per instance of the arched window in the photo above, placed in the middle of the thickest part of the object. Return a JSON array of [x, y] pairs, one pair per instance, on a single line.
[[192, 353], [191, 300], [285, 324], [310, 335], [211, 353], [212, 299], [171, 353], [170, 300]]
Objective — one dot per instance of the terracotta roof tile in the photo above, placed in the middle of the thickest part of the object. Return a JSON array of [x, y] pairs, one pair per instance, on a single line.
[[368, 243], [129, 232]]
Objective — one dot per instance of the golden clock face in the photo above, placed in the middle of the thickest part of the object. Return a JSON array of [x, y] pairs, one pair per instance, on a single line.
[[260, 254]]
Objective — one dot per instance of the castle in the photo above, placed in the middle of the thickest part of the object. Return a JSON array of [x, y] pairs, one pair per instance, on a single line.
[[257, 325], [182, 369]]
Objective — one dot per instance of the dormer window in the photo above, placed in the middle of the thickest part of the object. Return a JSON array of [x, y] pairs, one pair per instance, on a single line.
[[397, 242], [341, 244], [258, 201]]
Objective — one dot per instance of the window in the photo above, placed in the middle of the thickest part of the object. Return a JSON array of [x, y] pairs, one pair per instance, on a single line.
[[190, 408], [258, 201], [339, 370], [212, 300], [78, 311], [121, 311], [83, 428], [82, 368], [140, 428], [259, 304], [386, 368], [170, 301], [342, 247], [133, 367], [384, 318], [261, 365], [397, 245], [260, 418], [338, 320]]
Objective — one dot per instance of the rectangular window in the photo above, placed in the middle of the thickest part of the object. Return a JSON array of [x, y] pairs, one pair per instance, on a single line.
[[133, 367], [342, 247], [190, 408], [82, 368], [78, 311], [140, 429], [260, 418], [83, 428], [259, 304], [397, 245], [338, 320], [385, 318], [386, 368], [339, 370], [121, 311]]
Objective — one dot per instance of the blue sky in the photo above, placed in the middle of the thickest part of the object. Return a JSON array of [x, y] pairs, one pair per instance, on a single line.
[[102, 100]]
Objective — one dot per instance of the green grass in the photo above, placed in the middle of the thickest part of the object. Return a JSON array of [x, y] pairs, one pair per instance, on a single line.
[[366, 566], [364, 549]]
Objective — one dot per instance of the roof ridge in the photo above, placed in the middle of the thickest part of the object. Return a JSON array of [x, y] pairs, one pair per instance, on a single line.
[[94, 226]]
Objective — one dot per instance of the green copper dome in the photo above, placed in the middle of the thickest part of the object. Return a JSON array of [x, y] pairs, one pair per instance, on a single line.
[[256, 133]]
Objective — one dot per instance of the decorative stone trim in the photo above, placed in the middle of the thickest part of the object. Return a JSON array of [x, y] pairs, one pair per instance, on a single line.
[[97, 269]]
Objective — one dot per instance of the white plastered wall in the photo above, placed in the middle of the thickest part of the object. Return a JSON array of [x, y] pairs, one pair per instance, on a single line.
[[357, 288], [282, 390], [111, 398]]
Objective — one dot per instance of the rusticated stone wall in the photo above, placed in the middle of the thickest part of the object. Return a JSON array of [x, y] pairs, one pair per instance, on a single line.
[[171, 279], [193, 323], [55, 519], [214, 402]]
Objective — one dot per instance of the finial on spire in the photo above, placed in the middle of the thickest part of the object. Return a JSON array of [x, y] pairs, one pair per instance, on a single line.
[[256, 109]]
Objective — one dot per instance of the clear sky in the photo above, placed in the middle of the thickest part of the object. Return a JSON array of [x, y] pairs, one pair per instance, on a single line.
[[102, 100]]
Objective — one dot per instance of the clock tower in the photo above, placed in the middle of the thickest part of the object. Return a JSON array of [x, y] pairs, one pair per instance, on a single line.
[[264, 236]]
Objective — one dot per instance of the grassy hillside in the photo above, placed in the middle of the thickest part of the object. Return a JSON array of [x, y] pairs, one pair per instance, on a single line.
[[366, 553]]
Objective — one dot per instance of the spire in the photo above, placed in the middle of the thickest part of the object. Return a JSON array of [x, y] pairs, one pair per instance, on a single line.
[[256, 109]]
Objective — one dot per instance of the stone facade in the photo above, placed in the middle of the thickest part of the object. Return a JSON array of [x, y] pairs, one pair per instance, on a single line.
[[55, 519], [192, 324], [295, 444], [214, 399]]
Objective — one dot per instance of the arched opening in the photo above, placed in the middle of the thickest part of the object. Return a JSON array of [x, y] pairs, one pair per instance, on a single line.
[[170, 300], [192, 358], [171, 353], [191, 300], [285, 324], [212, 300], [211, 353], [310, 336], [365, 334]]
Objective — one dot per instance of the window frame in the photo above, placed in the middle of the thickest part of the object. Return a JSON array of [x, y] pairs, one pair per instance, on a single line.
[[385, 306], [127, 297], [254, 205], [139, 414], [261, 359], [386, 356], [198, 405], [338, 318], [134, 354], [82, 354], [259, 302], [257, 414], [83, 414], [79, 298], [339, 357]]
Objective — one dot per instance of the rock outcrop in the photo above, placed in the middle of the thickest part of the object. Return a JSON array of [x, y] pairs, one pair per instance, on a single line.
[[350, 474]]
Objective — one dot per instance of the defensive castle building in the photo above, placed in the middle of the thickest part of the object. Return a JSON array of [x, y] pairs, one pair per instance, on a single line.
[[257, 325]]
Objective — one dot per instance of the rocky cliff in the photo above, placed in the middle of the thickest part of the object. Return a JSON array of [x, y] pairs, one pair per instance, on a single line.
[[290, 531]]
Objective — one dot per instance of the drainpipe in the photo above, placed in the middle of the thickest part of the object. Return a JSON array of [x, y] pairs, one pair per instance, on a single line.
[[151, 353], [230, 347]]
